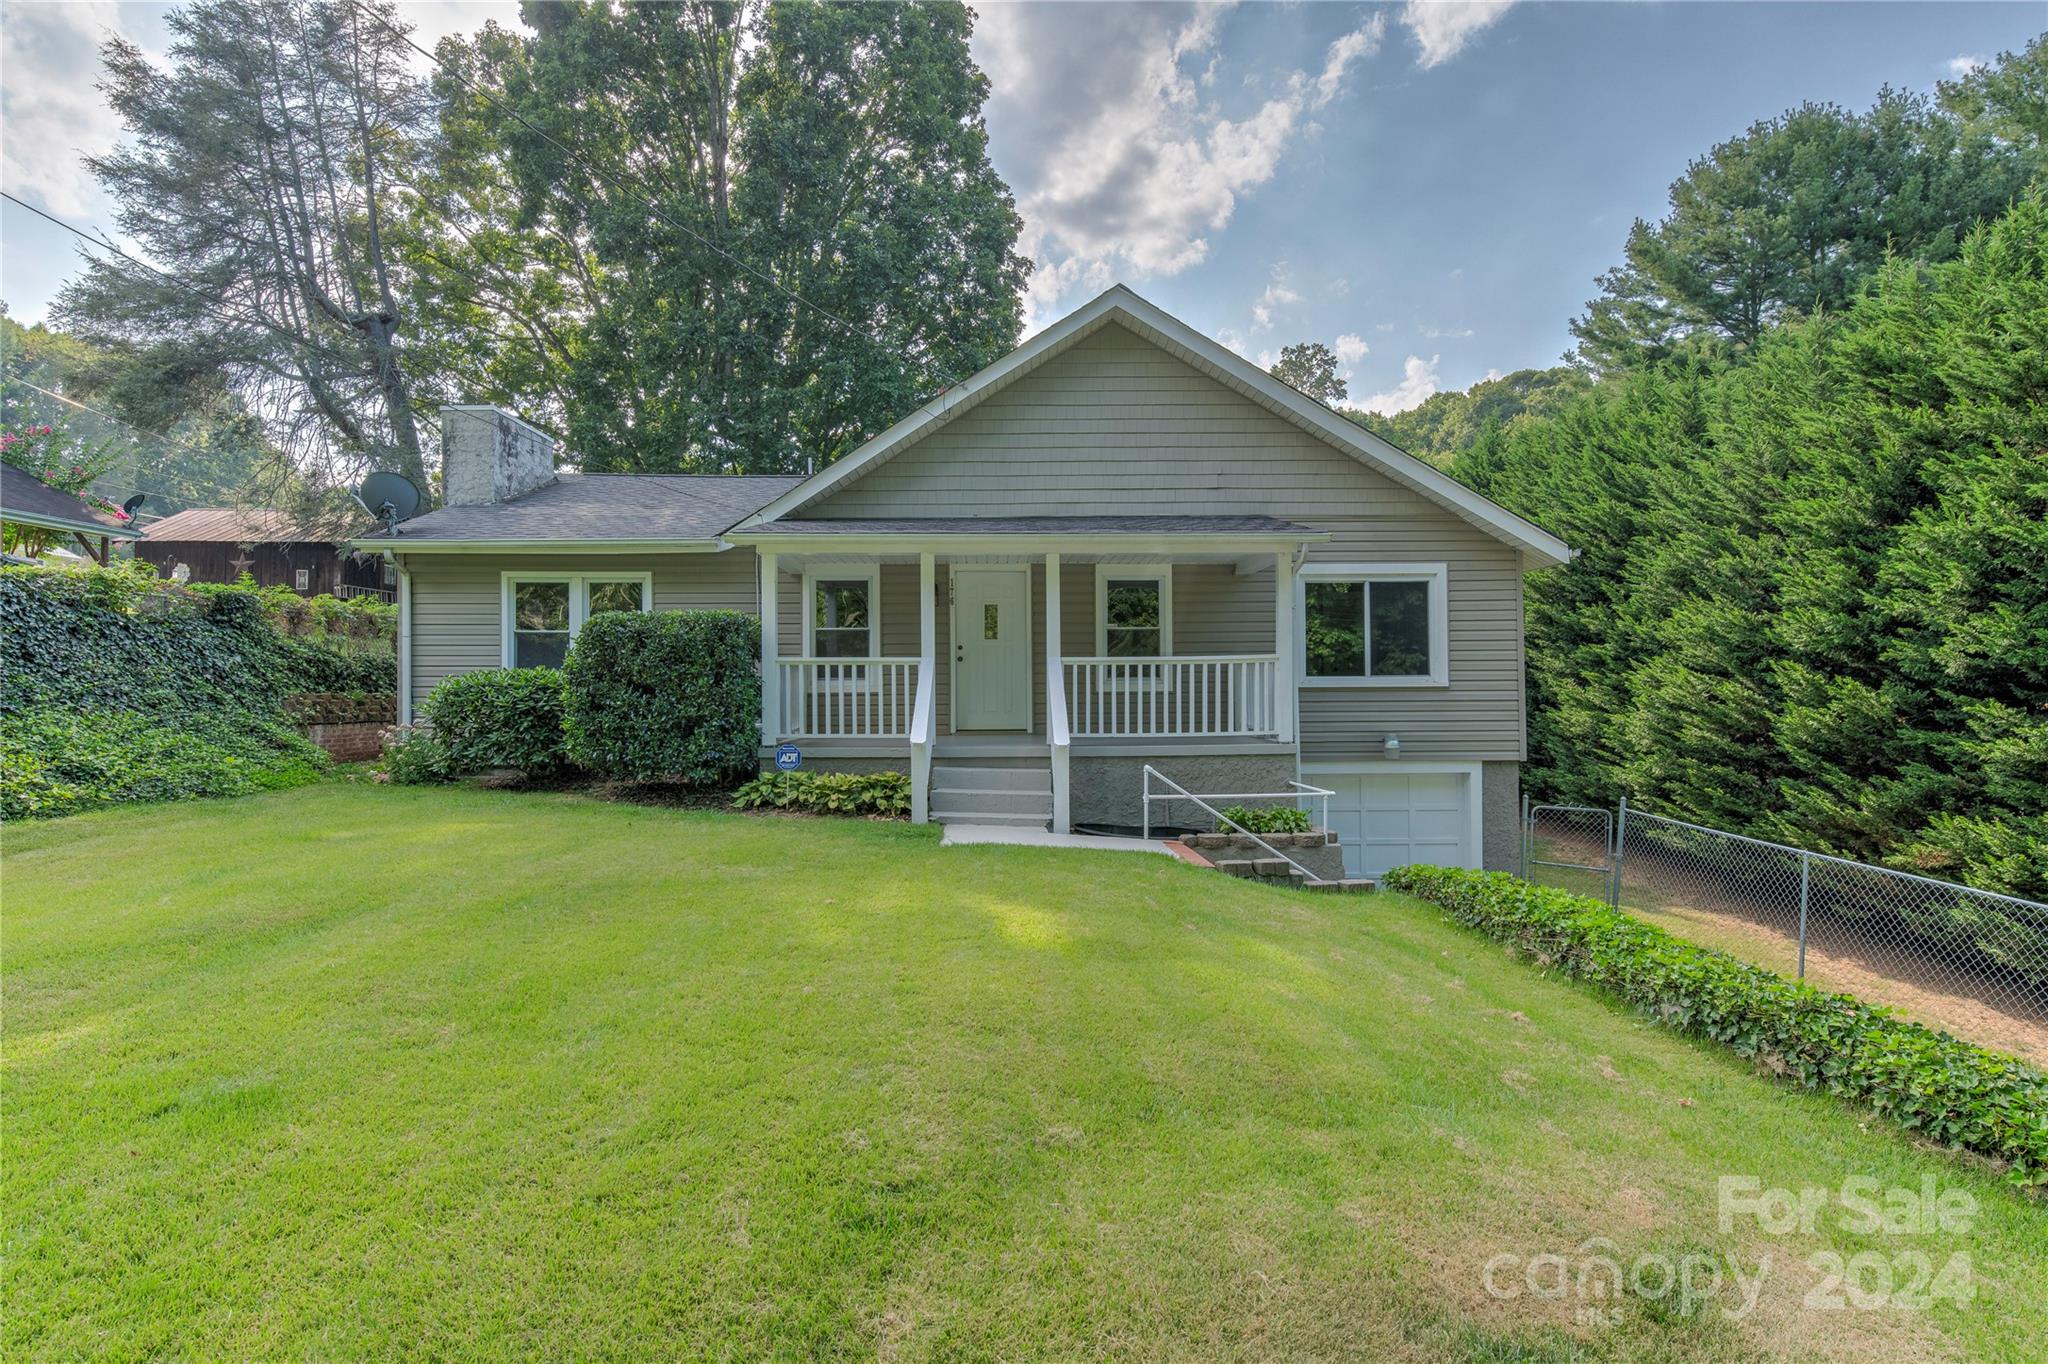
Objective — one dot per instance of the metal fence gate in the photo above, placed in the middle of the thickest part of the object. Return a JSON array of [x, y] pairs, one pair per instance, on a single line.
[[1570, 838]]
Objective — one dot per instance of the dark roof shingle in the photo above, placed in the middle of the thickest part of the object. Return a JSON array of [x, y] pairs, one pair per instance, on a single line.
[[585, 507]]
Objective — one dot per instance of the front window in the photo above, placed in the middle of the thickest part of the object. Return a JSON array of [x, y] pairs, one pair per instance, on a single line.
[[1134, 612], [1382, 624], [540, 624], [544, 611], [842, 618]]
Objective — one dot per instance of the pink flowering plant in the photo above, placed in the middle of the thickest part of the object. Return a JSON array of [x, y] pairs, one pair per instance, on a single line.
[[68, 463]]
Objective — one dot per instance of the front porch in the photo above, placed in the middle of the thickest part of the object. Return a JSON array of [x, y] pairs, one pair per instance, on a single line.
[[999, 657]]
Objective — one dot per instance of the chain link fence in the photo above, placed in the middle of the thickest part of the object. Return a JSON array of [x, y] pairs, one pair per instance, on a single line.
[[1972, 962]]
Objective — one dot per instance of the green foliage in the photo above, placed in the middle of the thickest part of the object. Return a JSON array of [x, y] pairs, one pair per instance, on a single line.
[[1929, 1082], [837, 150], [115, 686], [1791, 219], [1310, 368], [665, 695], [501, 718], [415, 756], [1447, 424], [1265, 819], [64, 762], [828, 793], [1811, 601]]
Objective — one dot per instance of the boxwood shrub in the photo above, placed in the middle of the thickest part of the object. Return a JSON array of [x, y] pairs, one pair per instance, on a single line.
[[1955, 1093], [666, 696], [501, 718], [828, 793]]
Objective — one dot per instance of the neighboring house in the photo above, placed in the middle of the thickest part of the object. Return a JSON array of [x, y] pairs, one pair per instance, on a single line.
[[219, 544], [1120, 545], [28, 502]]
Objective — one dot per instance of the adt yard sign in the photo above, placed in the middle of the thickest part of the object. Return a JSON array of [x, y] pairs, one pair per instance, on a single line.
[[788, 758]]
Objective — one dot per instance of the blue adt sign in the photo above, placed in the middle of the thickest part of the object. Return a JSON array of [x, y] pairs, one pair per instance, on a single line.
[[787, 758]]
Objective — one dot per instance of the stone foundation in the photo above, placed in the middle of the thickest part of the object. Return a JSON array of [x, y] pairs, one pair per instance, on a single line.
[[1111, 790]]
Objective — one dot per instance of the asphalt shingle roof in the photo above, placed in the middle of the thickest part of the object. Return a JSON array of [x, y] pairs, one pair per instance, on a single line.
[[610, 507], [29, 500], [1045, 525]]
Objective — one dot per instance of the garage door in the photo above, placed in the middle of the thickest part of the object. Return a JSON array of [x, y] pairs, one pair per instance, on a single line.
[[1386, 819]]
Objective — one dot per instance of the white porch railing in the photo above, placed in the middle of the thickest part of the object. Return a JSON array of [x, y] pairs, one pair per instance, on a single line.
[[847, 698], [1228, 695]]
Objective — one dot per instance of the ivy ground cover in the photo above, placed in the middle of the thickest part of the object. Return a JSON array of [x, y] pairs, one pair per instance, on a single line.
[[352, 1071]]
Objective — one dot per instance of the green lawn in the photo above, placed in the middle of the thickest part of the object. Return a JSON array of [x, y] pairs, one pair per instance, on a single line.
[[356, 1071]]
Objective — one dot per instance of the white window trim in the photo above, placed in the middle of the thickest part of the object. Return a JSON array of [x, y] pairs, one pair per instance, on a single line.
[[1437, 575], [579, 600], [871, 573], [1159, 573]]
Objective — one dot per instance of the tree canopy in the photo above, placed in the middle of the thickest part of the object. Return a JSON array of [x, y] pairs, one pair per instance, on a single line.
[[1310, 368]]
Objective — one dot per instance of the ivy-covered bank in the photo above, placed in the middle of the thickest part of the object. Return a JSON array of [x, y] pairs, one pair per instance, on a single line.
[[117, 687]]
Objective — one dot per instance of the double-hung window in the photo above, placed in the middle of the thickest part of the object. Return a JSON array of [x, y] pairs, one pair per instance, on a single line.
[[544, 611], [1133, 611], [843, 617], [1374, 625]]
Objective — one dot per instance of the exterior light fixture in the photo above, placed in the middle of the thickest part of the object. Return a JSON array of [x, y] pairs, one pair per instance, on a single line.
[[1392, 747]]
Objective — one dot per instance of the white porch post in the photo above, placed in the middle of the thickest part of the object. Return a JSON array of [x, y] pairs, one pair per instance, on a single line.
[[1284, 643], [771, 651], [927, 682], [1055, 701]]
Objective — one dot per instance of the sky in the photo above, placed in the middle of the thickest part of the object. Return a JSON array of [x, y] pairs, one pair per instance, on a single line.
[[1428, 188]]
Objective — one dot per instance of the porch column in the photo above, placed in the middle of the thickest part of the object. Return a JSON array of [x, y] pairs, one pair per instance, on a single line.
[[1284, 642], [771, 650], [1055, 701], [927, 684], [927, 612]]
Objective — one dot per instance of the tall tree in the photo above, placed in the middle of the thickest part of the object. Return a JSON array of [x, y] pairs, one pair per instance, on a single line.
[[1790, 219], [1310, 367], [258, 171], [776, 226]]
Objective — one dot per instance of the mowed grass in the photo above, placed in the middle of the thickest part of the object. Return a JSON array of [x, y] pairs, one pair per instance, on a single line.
[[353, 1071]]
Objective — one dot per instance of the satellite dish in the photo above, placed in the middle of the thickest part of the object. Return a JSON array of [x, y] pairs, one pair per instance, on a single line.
[[131, 506], [390, 498]]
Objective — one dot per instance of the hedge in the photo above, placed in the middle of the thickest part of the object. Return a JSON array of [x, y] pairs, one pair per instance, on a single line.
[[501, 718], [665, 695], [827, 793], [1960, 1095]]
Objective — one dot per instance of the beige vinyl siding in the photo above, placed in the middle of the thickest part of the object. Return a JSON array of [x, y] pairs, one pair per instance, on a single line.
[[458, 599], [1116, 425]]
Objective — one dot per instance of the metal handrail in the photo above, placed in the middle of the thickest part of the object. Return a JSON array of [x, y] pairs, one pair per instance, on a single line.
[[1217, 815]]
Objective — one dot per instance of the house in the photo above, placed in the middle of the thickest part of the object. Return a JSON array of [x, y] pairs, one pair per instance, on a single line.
[[1121, 545], [41, 517], [219, 544]]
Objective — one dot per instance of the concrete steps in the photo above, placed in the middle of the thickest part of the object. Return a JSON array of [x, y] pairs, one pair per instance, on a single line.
[[1011, 792]]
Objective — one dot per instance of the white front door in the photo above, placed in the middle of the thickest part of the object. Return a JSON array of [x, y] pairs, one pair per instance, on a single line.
[[992, 648], [1388, 817]]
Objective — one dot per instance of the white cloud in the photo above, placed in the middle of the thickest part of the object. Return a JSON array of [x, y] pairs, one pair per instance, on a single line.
[[1277, 295], [1351, 348], [1229, 339], [1443, 27], [1418, 381], [1136, 164], [1383, 326], [1965, 64], [1443, 333], [52, 116]]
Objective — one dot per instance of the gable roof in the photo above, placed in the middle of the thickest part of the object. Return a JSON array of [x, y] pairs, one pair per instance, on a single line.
[[235, 525], [1119, 305], [595, 509], [28, 501]]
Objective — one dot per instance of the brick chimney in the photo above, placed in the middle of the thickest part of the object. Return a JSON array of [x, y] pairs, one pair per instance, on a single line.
[[490, 455]]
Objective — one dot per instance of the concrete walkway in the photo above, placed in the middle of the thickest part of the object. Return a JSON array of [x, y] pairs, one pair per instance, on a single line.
[[967, 835]]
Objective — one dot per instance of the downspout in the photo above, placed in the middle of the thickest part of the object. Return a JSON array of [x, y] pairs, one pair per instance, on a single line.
[[404, 638]]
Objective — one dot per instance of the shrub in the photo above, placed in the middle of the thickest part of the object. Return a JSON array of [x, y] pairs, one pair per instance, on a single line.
[[1265, 819], [501, 717], [1946, 1089], [665, 695], [828, 793], [416, 757], [64, 761]]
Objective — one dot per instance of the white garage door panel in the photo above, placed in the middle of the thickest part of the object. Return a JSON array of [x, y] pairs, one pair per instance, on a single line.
[[1386, 819]]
